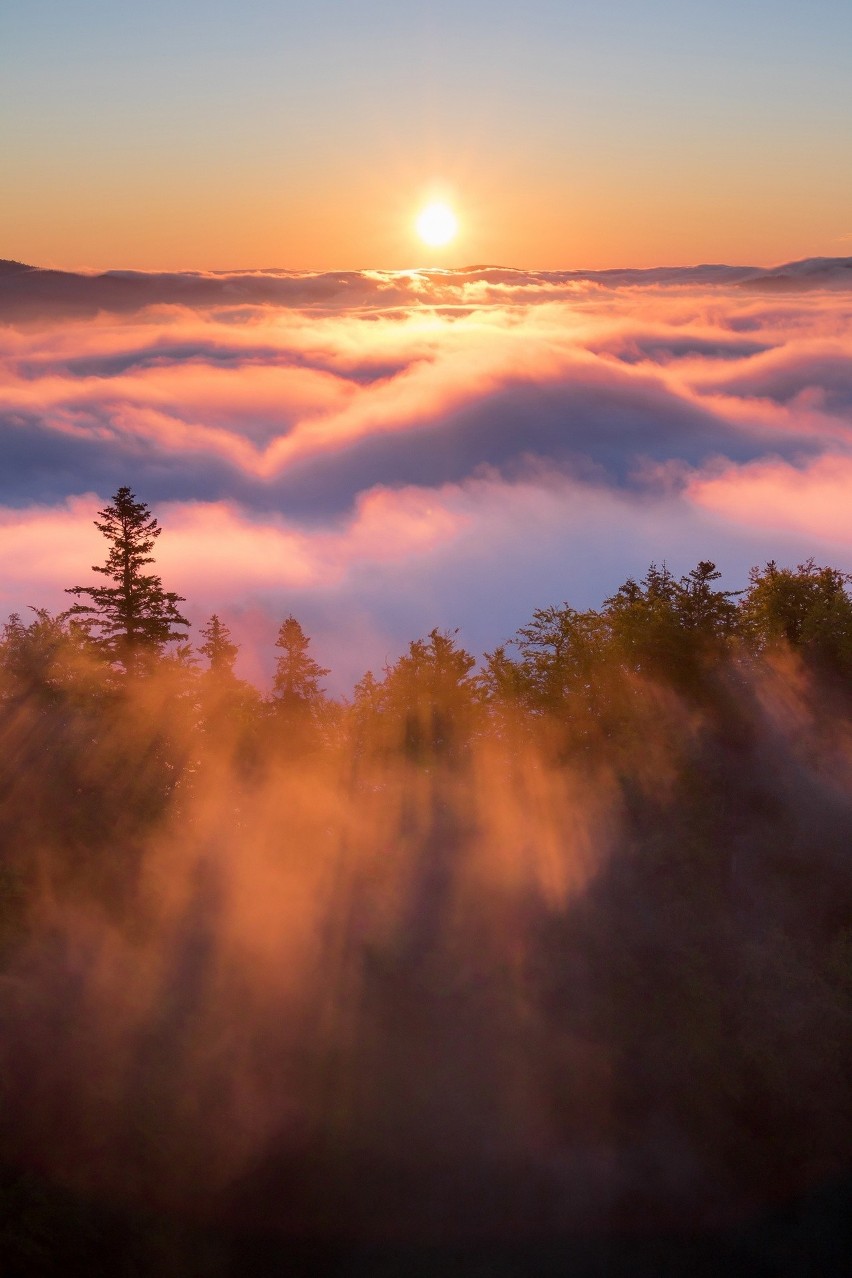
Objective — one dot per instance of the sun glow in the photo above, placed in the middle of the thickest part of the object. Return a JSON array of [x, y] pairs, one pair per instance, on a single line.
[[437, 224]]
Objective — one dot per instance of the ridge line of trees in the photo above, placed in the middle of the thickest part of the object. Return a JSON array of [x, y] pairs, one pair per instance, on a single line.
[[564, 663]]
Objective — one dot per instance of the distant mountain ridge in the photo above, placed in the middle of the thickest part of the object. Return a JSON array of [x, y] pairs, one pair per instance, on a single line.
[[27, 291], [812, 272]]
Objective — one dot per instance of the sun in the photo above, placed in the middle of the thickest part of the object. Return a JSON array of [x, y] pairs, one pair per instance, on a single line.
[[437, 224]]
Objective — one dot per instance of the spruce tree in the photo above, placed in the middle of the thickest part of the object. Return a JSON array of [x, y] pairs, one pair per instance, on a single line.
[[218, 648], [134, 618], [297, 676]]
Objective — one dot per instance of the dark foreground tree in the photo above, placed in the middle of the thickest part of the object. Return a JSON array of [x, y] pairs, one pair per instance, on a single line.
[[133, 618]]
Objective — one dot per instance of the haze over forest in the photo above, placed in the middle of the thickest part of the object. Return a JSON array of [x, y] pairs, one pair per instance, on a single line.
[[471, 966], [426, 639]]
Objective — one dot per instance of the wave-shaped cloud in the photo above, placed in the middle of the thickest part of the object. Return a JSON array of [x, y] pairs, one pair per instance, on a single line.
[[387, 452]]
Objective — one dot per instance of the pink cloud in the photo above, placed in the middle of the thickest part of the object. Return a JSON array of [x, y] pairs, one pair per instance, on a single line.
[[813, 500], [433, 449], [244, 394], [217, 550], [40, 548]]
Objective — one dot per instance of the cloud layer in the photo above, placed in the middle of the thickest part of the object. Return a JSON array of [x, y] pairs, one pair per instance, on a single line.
[[382, 453]]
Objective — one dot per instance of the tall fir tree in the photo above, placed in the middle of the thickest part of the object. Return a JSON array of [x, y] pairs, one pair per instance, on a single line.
[[218, 648], [134, 618], [297, 675]]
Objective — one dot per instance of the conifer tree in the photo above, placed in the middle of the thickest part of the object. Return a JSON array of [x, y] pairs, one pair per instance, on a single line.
[[431, 693], [218, 648], [297, 675], [703, 608], [134, 617]]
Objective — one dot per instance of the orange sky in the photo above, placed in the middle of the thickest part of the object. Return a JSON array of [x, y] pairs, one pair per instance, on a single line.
[[216, 137], [589, 221]]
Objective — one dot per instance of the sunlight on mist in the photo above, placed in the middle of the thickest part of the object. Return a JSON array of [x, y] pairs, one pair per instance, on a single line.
[[302, 986]]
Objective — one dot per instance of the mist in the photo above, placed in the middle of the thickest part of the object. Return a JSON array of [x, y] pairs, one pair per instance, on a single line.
[[426, 969]]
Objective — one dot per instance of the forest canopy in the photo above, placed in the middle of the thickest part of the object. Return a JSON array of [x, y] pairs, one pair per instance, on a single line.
[[676, 629], [574, 914]]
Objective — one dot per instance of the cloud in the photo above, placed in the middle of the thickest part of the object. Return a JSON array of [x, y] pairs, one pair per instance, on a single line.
[[772, 494], [389, 452]]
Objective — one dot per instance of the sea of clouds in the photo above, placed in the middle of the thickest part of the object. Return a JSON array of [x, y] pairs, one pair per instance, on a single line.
[[384, 452]]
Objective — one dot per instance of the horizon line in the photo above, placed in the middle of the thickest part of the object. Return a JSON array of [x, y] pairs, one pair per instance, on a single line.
[[423, 268]]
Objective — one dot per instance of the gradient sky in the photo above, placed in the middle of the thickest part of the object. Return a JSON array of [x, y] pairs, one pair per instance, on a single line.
[[209, 134]]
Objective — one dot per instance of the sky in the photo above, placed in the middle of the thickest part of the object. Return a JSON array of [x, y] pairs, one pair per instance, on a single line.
[[212, 135], [330, 417], [382, 453], [334, 421]]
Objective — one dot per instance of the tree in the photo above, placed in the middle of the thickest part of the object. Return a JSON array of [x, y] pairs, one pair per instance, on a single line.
[[298, 703], [672, 629], [703, 609], [45, 656], [808, 609], [218, 648], [229, 708], [430, 695], [504, 682], [297, 676], [560, 649], [135, 616], [643, 622]]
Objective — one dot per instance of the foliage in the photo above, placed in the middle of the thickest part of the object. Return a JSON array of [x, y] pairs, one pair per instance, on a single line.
[[135, 618], [595, 895], [429, 695], [50, 654], [808, 610], [218, 648], [668, 627], [296, 684]]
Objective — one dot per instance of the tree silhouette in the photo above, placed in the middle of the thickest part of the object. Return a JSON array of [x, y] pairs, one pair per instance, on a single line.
[[702, 608], [135, 617], [218, 648], [644, 622], [672, 629], [297, 676]]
